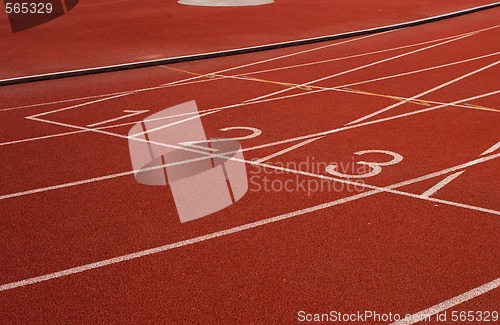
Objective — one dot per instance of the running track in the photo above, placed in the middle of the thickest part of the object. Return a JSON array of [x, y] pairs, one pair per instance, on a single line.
[[421, 234]]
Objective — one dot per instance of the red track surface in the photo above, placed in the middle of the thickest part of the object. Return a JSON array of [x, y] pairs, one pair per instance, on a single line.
[[387, 252], [97, 33]]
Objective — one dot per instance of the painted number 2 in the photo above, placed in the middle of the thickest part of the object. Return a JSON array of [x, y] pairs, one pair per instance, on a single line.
[[375, 167]]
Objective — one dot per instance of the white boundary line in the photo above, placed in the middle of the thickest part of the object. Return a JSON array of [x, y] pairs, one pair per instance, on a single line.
[[441, 86], [420, 70], [300, 138], [282, 97], [187, 81], [207, 155], [345, 57], [441, 184], [492, 149], [369, 65], [123, 258], [452, 177], [457, 300]]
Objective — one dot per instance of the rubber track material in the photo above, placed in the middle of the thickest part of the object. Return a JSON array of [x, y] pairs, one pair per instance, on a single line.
[[218, 54]]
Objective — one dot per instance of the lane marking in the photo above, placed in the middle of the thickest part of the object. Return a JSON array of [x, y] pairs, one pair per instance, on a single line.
[[188, 81], [288, 170], [441, 86], [395, 117], [452, 177], [454, 104], [160, 249], [452, 302], [130, 113], [441, 184], [183, 82], [372, 64], [420, 70], [359, 55], [70, 184], [492, 149], [282, 97], [135, 122], [241, 77], [252, 225], [287, 150]]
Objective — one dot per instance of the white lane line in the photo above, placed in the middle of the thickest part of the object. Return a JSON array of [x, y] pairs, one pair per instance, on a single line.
[[135, 122], [357, 55], [130, 113], [447, 304], [95, 101], [56, 135], [452, 177], [441, 86], [43, 137], [289, 149], [287, 170], [369, 65], [188, 81], [277, 98], [291, 54], [150, 131], [97, 179], [441, 184], [391, 118], [229, 231], [419, 71], [60, 101], [156, 250], [492, 149]]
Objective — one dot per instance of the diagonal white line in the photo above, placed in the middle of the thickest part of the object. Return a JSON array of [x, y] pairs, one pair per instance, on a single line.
[[368, 65], [419, 71], [358, 55], [492, 149], [289, 149], [188, 81], [388, 108], [447, 304], [452, 177], [441, 184], [156, 250], [82, 129]]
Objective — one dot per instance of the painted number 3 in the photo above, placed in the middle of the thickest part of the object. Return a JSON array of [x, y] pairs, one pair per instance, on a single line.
[[375, 167]]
